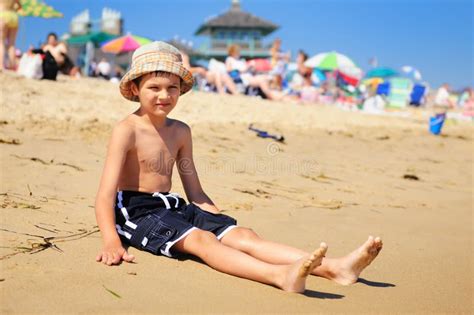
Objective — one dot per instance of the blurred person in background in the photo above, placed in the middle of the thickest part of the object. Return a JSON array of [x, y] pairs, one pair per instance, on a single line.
[[8, 31]]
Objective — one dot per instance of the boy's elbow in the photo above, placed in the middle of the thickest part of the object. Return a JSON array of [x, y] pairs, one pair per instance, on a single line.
[[102, 201], [198, 196]]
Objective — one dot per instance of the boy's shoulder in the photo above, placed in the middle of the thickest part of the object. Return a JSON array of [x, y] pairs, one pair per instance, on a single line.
[[132, 126], [178, 124]]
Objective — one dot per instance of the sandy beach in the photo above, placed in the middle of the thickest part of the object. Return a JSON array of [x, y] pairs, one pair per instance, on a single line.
[[340, 177]]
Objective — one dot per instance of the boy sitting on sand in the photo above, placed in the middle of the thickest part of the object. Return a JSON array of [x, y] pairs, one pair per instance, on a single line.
[[137, 179]]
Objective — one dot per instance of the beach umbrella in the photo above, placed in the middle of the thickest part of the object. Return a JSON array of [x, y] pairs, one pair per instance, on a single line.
[[411, 73], [373, 83], [381, 72], [317, 76], [96, 38], [124, 44], [260, 64], [329, 61], [353, 72], [38, 8]]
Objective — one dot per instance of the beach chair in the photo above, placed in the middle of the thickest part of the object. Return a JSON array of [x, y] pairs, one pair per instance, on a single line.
[[383, 88], [417, 95], [400, 90]]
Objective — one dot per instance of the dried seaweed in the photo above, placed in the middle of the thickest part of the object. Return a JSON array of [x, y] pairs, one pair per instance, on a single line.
[[52, 162], [47, 242], [10, 141], [411, 177]]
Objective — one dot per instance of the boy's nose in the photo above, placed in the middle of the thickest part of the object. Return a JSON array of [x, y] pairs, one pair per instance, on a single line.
[[163, 94]]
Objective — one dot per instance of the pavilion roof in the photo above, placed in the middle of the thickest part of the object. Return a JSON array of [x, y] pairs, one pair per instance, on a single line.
[[236, 18]]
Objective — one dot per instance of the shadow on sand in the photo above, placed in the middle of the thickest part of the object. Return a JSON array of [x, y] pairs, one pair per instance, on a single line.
[[376, 284], [322, 295]]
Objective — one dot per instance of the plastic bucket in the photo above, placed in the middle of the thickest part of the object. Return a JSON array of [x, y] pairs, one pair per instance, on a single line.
[[436, 123]]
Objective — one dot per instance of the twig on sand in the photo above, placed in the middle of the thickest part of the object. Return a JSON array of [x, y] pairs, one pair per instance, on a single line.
[[36, 159], [112, 292], [10, 141], [47, 242], [43, 228], [77, 168]]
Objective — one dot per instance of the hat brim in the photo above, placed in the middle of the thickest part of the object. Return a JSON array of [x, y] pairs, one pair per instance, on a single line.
[[141, 69]]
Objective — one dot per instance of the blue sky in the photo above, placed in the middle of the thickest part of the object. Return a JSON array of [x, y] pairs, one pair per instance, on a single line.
[[435, 36]]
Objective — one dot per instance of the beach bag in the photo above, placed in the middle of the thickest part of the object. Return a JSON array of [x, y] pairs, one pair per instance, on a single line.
[[235, 76], [30, 66], [50, 67]]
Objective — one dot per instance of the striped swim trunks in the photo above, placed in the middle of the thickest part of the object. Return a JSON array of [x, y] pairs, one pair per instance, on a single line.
[[154, 222]]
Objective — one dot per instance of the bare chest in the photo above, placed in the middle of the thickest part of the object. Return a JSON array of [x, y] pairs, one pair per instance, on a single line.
[[155, 155]]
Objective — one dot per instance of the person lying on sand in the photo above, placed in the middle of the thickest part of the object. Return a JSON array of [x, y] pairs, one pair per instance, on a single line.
[[134, 206]]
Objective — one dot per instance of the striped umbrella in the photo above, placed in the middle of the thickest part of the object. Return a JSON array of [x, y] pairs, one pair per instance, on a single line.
[[330, 61], [124, 44], [38, 8]]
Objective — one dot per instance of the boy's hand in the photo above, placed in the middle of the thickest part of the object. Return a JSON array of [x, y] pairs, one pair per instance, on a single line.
[[113, 255]]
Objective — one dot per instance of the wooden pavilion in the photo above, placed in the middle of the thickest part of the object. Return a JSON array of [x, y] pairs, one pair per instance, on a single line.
[[235, 27]]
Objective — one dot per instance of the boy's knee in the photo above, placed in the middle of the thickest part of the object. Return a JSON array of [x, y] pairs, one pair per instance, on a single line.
[[245, 235], [201, 236]]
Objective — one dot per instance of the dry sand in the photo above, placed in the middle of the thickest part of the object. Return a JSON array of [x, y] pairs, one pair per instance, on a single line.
[[338, 179]]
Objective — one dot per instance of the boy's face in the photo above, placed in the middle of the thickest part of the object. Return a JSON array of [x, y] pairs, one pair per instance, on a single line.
[[158, 94]]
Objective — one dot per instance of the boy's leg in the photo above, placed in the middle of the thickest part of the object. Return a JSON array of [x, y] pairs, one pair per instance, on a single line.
[[344, 270], [288, 277]]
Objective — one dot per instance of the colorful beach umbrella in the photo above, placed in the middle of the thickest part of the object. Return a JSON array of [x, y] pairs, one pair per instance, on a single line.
[[124, 44], [96, 38], [329, 61], [381, 72], [411, 73], [38, 8], [260, 64], [350, 75]]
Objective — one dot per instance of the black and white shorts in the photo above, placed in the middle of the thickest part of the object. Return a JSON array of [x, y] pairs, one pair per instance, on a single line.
[[154, 222]]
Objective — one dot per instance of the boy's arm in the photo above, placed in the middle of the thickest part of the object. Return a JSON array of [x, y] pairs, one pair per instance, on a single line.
[[113, 251], [187, 172]]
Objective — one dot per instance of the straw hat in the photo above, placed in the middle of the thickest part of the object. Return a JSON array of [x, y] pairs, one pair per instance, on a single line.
[[155, 56]]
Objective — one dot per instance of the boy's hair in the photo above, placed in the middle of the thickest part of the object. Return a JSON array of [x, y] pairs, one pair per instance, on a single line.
[[161, 74]]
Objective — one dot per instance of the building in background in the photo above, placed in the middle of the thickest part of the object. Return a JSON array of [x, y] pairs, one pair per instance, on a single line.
[[235, 27], [86, 35]]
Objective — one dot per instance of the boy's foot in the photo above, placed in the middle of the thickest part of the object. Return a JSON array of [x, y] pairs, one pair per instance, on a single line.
[[295, 278], [350, 267]]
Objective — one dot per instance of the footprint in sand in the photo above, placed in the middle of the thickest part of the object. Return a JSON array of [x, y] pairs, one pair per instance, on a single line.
[[257, 193], [321, 178], [332, 204], [241, 207]]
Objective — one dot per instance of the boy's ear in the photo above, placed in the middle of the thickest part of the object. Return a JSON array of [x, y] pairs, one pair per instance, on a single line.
[[134, 88]]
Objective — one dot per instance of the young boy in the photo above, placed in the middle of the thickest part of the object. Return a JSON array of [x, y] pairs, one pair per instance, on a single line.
[[137, 179]]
